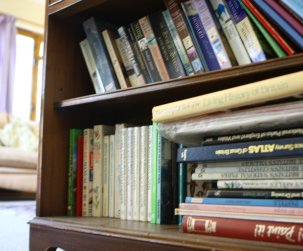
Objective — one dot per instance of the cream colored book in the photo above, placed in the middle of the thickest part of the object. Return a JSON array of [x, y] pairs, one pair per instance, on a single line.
[[106, 175], [248, 94]]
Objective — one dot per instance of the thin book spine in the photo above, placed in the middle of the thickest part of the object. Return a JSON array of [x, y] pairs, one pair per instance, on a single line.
[[111, 180]]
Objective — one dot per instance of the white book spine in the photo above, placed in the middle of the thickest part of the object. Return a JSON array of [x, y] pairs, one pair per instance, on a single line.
[[136, 173], [106, 176], [123, 154], [111, 192], [87, 172], [230, 32], [130, 173], [149, 172], [91, 66]]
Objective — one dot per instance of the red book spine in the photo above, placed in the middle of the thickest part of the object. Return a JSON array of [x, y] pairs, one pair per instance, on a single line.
[[79, 181], [268, 231], [267, 25]]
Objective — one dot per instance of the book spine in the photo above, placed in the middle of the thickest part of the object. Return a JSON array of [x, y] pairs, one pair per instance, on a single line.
[[146, 53], [246, 229], [79, 190], [124, 178], [287, 184], [136, 173], [177, 16], [291, 11], [166, 45], [154, 173], [271, 194], [246, 31], [295, 5], [182, 184], [178, 43], [101, 56], [253, 93], [130, 173], [91, 66], [288, 147], [149, 172], [230, 32], [109, 39], [205, 49], [111, 180], [154, 47], [72, 171], [106, 164], [212, 33]]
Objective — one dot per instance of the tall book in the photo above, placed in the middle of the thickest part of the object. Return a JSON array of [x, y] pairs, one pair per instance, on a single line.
[[106, 175], [130, 173], [149, 172], [87, 196], [100, 53], [230, 32], [98, 155], [109, 39], [111, 179], [268, 26], [246, 31], [154, 47], [286, 28], [249, 94], [91, 66], [176, 13], [79, 185], [124, 177], [136, 160], [72, 170], [166, 45]]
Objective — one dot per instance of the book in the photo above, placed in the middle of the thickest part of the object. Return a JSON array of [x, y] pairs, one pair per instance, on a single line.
[[166, 45], [283, 184], [230, 32], [79, 180], [293, 12], [91, 66], [178, 43], [204, 47], [268, 26], [182, 183], [149, 172], [92, 29], [295, 5], [249, 193], [245, 201], [257, 230], [130, 173], [111, 177], [109, 39], [176, 13], [286, 28], [124, 178], [153, 46], [260, 149], [106, 175], [72, 170], [87, 196], [136, 160], [253, 93], [246, 31]]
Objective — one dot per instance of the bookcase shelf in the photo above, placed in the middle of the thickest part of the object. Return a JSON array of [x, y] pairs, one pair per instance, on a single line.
[[69, 101]]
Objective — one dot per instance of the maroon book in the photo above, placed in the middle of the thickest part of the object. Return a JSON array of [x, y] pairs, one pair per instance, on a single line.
[[79, 181], [268, 231]]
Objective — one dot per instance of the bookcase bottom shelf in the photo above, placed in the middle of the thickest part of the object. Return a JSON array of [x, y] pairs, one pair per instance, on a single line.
[[107, 234]]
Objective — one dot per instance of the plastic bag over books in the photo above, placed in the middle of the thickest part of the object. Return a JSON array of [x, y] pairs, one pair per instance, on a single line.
[[191, 132]]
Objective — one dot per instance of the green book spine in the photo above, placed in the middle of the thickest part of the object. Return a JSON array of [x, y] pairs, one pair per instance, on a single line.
[[154, 174]]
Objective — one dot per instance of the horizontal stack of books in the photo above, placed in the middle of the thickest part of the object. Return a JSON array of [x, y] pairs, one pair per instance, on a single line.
[[189, 37]]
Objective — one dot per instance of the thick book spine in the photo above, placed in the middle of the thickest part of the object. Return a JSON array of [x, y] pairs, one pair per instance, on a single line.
[[79, 189], [72, 171], [178, 43], [286, 28], [146, 52], [91, 66], [179, 20], [154, 47], [288, 147], [286, 184], [246, 31], [253, 93], [166, 45], [246, 229], [104, 66], [204, 47]]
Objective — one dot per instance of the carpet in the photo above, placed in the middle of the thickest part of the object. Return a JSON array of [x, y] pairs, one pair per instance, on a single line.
[[14, 228]]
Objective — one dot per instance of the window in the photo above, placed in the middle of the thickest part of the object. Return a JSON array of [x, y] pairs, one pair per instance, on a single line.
[[28, 75]]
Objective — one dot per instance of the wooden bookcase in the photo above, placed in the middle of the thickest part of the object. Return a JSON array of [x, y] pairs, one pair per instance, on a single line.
[[69, 101]]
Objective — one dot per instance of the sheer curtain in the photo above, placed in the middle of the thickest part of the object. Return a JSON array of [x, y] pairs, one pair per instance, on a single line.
[[7, 61]]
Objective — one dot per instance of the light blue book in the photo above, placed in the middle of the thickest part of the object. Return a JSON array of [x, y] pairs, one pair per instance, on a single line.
[[295, 5]]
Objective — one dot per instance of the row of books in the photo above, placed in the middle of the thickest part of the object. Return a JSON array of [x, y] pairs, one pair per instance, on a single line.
[[186, 38]]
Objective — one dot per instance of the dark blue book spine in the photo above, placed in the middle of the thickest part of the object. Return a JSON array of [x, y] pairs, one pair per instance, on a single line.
[[182, 185], [99, 51], [285, 147], [286, 28], [204, 47]]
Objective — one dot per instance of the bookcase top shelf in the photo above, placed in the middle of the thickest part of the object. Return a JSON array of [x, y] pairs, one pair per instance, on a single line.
[[166, 237]]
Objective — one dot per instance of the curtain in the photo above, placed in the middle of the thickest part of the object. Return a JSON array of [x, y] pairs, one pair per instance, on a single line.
[[7, 61]]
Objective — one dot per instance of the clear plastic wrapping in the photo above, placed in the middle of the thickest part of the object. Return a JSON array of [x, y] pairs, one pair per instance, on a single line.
[[190, 132]]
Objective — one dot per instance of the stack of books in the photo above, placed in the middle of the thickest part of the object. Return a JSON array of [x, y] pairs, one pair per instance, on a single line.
[[247, 161], [189, 37]]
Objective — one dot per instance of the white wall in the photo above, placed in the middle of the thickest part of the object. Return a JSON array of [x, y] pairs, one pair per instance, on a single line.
[[30, 13]]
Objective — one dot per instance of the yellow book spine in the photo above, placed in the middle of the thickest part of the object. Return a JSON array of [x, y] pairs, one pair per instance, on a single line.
[[253, 93]]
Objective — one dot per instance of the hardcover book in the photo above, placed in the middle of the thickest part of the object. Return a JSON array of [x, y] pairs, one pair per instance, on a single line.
[[79, 179]]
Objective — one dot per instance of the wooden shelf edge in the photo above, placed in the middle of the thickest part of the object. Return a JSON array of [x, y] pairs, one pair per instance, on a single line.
[[157, 234], [288, 64]]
